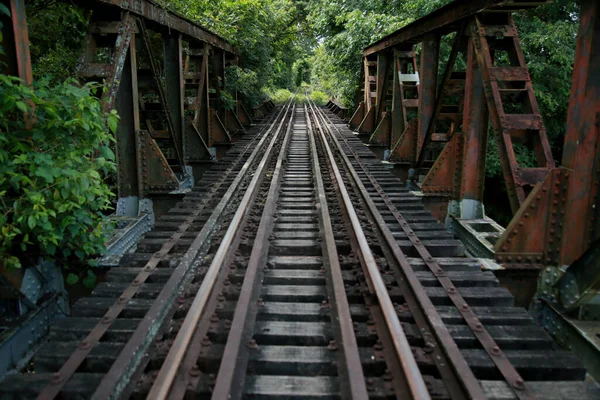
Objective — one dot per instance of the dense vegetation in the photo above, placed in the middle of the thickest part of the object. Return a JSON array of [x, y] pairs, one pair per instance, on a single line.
[[54, 158]]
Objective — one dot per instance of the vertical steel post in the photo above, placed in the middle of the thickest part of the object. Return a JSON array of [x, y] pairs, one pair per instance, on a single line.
[[382, 64], [15, 41], [475, 127], [174, 83], [130, 171], [217, 78], [428, 75], [398, 125], [581, 154]]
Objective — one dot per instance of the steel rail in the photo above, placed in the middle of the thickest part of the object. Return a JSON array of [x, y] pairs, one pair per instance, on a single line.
[[70, 366], [232, 363], [463, 372], [414, 378], [164, 380], [188, 374], [508, 371], [129, 359], [356, 387], [407, 285]]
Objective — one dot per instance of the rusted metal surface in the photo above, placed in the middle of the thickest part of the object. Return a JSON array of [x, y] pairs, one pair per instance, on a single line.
[[155, 173], [526, 127], [382, 132], [243, 115], [15, 41], [381, 84], [444, 20], [581, 154], [358, 116], [444, 177], [428, 75], [353, 370], [167, 20], [504, 366], [168, 371], [116, 379], [113, 70], [426, 128], [409, 366], [475, 127], [405, 148], [218, 133], [462, 372], [231, 362], [169, 116], [128, 132], [173, 67], [558, 221]]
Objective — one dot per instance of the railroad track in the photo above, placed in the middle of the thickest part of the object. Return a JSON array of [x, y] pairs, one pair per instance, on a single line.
[[301, 268]]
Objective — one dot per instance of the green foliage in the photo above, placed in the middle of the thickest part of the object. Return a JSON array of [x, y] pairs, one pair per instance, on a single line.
[[548, 36], [3, 10], [54, 156], [279, 96], [57, 31], [346, 28], [269, 35], [320, 98]]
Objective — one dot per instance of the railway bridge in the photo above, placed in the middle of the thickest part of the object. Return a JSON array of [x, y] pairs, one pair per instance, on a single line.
[[305, 252]]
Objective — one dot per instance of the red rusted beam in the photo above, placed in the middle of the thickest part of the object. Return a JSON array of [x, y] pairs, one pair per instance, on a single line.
[[427, 92], [381, 88], [168, 19], [427, 131], [444, 20], [475, 126], [16, 41], [581, 154]]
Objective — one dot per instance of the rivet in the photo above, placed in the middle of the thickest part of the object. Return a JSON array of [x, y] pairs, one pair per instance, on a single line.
[[56, 377], [195, 371], [519, 384]]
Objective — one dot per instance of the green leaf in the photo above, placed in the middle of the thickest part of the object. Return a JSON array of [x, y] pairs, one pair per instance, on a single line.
[[21, 106], [72, 279], [90, 280], [31, 222], [112, 122], [46, 173], [4, 10]]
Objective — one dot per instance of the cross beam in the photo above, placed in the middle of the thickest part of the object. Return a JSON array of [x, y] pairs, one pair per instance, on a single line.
[[168, 19], [445, 20]]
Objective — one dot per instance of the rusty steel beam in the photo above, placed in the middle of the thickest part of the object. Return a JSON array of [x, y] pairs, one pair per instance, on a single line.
[[427, 130], [559, 219], [475, 127], [175, 86], [444, 20], [168, 19], [427, 93], [16, 41], [581, 154]]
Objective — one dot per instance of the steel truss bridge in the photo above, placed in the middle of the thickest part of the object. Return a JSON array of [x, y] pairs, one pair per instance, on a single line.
[[295, 251]]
